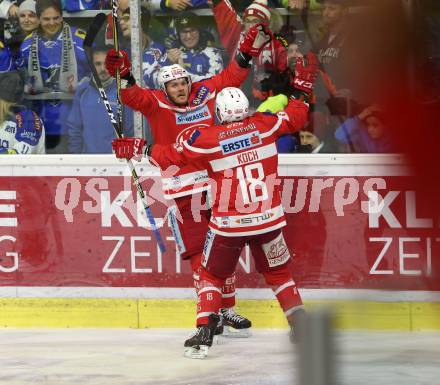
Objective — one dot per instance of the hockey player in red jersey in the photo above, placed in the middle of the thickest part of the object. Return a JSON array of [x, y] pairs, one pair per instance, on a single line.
[[172, 113], [241, 157]]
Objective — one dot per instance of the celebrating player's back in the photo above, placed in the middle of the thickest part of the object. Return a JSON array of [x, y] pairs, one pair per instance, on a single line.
[[241, 158]]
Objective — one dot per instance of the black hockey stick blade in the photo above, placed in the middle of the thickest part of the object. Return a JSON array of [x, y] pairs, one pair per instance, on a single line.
[[94, 27]]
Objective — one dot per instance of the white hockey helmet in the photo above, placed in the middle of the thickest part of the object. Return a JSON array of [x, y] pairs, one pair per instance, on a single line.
[[231, 105], [172, 72]]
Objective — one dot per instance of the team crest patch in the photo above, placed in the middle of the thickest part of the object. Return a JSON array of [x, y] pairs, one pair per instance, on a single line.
[[224, 221], [175, 181], [276, 251]]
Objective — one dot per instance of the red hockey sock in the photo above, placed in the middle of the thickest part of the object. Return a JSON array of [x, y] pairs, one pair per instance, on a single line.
[[228, 292], [196, 266], [209, 296], [285, 290]]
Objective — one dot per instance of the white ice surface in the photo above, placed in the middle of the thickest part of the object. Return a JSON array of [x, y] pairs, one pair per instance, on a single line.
[[154, 356]]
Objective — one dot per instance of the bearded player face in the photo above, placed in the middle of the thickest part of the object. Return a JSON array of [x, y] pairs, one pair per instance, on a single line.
[[178, 91]]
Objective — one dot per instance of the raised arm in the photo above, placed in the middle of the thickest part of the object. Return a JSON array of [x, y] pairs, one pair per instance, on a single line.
[[133, 96], [237, 71], [229, 25]]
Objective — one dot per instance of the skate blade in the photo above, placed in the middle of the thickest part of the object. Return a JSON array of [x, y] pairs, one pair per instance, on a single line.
[[216, 340], [230, 332], [197, 354]]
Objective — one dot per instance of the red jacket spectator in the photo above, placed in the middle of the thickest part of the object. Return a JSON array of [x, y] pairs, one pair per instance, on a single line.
[[231, 29]]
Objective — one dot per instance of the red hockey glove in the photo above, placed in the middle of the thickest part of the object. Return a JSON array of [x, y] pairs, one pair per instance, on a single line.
[[128, 148], [115, 60], [255, 39], [306, 72]]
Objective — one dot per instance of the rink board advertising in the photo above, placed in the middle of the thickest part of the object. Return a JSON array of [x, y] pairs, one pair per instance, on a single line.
[[352, 223]]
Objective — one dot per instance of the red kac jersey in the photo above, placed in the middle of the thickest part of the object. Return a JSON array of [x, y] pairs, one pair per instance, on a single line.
[[242, 161], [170, 123]]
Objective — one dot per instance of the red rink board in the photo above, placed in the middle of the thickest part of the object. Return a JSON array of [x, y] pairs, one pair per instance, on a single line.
[[58, 231]]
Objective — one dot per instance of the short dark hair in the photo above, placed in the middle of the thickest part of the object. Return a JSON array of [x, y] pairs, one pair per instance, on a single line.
[[42, 5], [145, 18], [101, 48]]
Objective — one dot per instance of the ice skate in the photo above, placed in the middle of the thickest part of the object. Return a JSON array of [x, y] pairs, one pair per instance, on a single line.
[[235, 325], [198, 345], [219, 329], [296, 323]]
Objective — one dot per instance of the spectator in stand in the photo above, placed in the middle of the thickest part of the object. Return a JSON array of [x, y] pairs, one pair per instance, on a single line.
[[334, 52], [231, 28], [8, 9], [313, 139], [366, 132], [192, 48], [297, 44], [55, 62], [6, 59], [27, 23], [21, 130], [334, 47], [300, 4], [177, 5], [82, 5], [154, 54], [89, 130], [27, 17]]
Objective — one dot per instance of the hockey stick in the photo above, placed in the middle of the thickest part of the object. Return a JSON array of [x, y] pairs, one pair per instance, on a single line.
[[115, 34], [93, 30]]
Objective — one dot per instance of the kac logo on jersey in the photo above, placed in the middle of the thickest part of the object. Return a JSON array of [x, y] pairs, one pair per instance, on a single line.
[[193, 137], [175, 181], [225, 221], [241, 142], [193, 116]]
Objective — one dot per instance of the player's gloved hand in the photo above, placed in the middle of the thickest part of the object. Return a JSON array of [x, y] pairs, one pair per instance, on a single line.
[[128, 148], [306, 72], [115, 60], [255, 39]]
